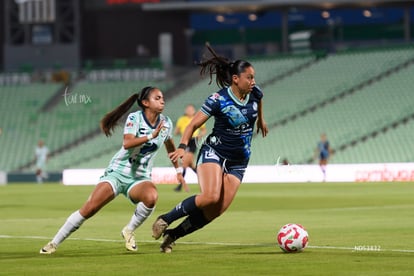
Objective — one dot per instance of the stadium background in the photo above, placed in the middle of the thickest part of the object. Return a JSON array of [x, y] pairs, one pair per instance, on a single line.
[[340, 67]]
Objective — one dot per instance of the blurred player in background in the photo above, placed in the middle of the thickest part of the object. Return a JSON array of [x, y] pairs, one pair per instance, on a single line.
[[182, 123], [129, 171], [224, 156], [41, 157], [323, 152]]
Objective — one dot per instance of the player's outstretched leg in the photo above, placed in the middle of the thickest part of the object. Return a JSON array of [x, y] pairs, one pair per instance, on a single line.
[[158, 228], [167, 243], [184, 208], [192, 223], [73, 222]]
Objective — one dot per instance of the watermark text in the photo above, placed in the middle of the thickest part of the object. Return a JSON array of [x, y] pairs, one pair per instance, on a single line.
[[75, 98]]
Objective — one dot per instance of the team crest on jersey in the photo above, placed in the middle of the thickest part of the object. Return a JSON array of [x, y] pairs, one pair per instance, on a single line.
[[214, 96], [130, 124], [164, 132]]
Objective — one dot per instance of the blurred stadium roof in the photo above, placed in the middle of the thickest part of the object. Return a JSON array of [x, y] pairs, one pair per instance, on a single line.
[[263, 5]]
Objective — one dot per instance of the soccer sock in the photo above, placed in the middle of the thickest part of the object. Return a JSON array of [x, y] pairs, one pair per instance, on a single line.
[[192, 223], [141, 213], [184, 208], [72, 224]]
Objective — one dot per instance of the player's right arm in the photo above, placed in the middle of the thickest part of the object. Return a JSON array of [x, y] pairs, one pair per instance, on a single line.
[[198, 120], [131, 141]]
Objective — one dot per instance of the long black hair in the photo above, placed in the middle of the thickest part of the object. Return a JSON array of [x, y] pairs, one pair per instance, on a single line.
[[222, 67], [109, 121]]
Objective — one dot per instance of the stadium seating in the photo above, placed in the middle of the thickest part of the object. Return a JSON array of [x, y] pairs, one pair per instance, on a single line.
[[374, 87], [386, 146], [19, 112], [366, 110], [75, 115], [327, 78]]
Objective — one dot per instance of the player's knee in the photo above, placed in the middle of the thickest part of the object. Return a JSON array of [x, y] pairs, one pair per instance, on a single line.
[[210, 199], [88, 211], [150, 198]]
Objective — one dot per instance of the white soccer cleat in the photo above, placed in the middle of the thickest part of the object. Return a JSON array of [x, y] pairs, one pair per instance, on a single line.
[[167, 244], [158, 228], [129, 237], [48, 248]]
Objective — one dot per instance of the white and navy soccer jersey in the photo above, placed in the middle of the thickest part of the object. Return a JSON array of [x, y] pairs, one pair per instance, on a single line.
[[234, 122], [138, 161]]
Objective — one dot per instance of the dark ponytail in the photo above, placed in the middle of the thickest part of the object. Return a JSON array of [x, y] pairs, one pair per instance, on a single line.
[[109, 121], [222, 67]]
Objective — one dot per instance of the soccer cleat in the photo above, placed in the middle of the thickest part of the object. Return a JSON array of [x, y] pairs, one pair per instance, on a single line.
[[129, 237], [48, 248], [158, 228], [167, 244]]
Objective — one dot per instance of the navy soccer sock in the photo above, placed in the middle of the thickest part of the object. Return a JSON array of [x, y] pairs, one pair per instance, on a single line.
[[184, 208], [192, 223]]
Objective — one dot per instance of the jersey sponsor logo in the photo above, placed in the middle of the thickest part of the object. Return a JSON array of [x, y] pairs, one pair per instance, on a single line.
[[236, 118], [143, 131], [147, 149], [130, 124]]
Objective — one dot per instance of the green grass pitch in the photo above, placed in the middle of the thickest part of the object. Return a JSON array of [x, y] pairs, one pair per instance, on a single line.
[[354, 229]]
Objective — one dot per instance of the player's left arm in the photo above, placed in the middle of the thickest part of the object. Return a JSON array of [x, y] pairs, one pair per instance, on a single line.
[[330, 150], [261, 123]]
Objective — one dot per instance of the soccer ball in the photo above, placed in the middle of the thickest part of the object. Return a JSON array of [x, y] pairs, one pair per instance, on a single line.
[[292, 238]]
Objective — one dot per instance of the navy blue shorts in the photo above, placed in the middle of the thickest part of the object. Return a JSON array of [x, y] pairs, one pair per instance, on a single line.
[[209, 155], [192, 145]]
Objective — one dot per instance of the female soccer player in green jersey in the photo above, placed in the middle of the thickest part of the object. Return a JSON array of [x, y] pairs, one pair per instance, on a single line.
[[129, 171]]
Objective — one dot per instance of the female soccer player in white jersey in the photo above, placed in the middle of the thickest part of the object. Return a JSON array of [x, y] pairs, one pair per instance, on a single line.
[[41, 156], [129, 171], [224, 156]]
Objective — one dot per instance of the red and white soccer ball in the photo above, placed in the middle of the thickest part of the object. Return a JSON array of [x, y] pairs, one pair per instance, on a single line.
[[292, 238]]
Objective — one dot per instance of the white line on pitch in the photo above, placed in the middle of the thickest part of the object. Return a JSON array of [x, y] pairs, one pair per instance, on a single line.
[[214, 243]]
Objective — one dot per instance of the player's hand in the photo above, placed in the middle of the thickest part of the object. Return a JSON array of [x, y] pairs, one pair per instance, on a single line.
[[158, 129], [176, 155], [262, 126]]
